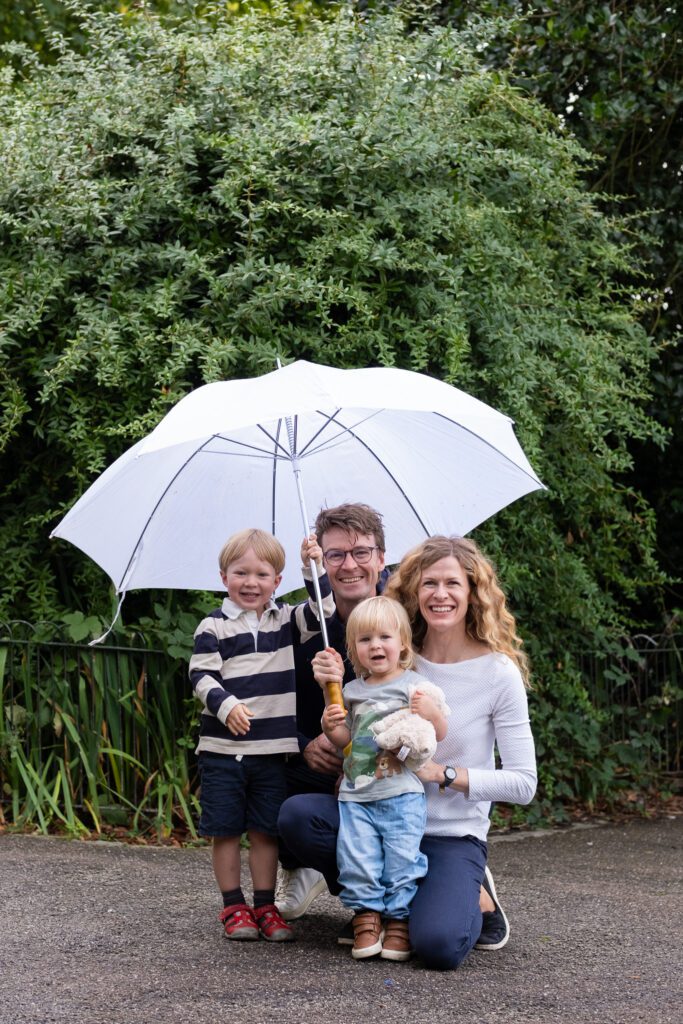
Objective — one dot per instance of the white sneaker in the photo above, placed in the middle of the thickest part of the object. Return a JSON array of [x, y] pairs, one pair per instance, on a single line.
[[297, 890]]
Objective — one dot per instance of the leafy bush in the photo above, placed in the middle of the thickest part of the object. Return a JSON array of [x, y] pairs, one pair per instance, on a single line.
[[180, 205], [612, 72]]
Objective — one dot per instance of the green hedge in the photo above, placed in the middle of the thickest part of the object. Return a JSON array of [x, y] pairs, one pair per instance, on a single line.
[[180, 205]]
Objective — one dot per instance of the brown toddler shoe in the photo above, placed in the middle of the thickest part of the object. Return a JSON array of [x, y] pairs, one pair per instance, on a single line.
[[396, 944], [367, 934]]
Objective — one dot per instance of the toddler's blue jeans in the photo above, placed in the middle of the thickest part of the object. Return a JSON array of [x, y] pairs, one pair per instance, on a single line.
[[445, 919], [378, 853]]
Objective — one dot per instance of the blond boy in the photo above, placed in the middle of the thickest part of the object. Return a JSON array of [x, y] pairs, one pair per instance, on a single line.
[[242, 670]]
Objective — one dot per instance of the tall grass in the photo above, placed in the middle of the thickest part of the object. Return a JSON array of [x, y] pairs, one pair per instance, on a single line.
[[103, 737], [93, 737]]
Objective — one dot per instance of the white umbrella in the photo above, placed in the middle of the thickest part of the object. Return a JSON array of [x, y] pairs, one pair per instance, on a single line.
[[429, 457]]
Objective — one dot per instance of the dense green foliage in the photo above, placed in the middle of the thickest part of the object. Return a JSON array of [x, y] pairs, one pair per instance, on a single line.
[[32, 24], [613, 72], [178, 206]]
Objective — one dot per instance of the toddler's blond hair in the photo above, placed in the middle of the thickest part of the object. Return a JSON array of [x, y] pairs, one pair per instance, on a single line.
[[377, 613]]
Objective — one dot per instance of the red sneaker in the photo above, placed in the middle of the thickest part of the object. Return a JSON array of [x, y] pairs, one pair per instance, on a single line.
[[238, 921], [271, 926]]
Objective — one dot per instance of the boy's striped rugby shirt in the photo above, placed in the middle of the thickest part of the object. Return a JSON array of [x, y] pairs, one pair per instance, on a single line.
[[230, 665]]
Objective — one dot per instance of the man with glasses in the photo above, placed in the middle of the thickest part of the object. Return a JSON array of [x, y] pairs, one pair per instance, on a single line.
[[352, 539]]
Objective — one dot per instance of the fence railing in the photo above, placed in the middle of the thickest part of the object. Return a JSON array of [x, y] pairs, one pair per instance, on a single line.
[[97, 735], [639, 688], [92, 735]]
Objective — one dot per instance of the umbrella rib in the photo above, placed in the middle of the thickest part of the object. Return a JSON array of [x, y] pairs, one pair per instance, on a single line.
[[388, 472], [251, 447], [277, 442], [286, 454], [250, 454], [330, 418], [163, 494], [473, 433]]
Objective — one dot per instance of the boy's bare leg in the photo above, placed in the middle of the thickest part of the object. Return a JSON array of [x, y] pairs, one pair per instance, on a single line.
[[225, 856], [236, 917], [263, 851]]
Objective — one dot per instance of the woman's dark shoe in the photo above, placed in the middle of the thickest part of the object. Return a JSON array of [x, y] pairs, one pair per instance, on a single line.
[[495, 927]]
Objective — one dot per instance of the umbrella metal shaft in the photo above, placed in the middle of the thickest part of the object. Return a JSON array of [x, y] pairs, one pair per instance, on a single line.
[[296, 469]]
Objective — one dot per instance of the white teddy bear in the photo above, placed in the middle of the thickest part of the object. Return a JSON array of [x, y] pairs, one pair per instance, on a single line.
[[408, 733]]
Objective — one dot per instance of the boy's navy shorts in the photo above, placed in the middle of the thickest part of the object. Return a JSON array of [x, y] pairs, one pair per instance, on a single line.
[[239, 796]]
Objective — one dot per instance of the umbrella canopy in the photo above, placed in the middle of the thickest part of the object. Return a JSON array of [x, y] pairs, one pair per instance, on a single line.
[[429, 457]]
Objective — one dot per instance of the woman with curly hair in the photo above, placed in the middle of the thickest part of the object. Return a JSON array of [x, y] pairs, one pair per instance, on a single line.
[[466, 643]]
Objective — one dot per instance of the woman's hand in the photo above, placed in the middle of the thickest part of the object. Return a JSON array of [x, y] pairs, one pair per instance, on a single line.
[[431, 772], [328, 667]]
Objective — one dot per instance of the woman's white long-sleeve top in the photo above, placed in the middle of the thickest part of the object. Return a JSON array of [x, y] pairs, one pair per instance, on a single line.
[[489, 707]]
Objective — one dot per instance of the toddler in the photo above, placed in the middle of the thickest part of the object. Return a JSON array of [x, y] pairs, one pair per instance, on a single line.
[[382, 805]]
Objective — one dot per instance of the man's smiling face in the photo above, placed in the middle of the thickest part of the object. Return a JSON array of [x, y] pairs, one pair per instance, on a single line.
[[351, 581]]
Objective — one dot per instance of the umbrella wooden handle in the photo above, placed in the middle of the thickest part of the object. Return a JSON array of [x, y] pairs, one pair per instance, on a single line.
[[334, 692]]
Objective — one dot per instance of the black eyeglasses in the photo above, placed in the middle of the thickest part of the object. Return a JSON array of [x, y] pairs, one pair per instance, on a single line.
[[360, 555]]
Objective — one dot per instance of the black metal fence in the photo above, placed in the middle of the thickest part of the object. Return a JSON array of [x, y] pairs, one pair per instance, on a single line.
[[638, 686], [106, 728], [111, 727]]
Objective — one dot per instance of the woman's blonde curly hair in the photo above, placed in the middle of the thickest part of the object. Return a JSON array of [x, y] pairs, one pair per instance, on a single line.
[[488, 619]]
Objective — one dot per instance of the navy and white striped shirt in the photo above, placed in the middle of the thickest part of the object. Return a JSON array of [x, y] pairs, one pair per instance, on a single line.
[[237, 660]]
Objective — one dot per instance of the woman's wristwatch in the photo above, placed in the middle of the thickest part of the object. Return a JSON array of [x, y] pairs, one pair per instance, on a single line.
[[449, 776]]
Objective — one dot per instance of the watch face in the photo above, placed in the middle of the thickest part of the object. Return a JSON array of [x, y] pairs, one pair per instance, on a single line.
[[450, 775]]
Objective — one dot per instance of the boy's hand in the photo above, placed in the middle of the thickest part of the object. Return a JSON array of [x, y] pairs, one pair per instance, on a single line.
[[310, 549], [238, 720], [328, 667], [424, 706], [333, 716]]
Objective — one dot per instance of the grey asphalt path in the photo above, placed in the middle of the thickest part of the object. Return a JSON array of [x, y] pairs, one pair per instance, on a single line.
[[97, 933]]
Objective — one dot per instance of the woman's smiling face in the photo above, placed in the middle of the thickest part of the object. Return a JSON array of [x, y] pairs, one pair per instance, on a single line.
[[443, 595]]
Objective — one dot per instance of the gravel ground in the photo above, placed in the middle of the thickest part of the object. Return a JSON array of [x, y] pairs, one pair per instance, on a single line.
[[100, 933]]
